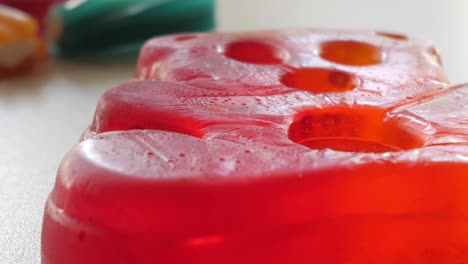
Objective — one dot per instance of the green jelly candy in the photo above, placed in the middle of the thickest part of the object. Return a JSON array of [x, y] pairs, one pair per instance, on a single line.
[[116, 28]]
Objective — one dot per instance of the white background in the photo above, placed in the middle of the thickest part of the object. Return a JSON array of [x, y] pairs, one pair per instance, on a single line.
[[42, 116]]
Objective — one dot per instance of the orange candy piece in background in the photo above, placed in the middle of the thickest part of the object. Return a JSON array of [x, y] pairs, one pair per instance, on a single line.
[[35, 8], [20, 45]]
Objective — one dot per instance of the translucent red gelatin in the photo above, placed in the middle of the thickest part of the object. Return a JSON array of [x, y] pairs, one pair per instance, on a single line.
[[354, 129], [316, 80], [291, 154], [351, 53], [253, 52]]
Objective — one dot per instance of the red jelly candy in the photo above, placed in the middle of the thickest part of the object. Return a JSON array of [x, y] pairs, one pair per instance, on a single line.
[[229, 159], [378, 69]]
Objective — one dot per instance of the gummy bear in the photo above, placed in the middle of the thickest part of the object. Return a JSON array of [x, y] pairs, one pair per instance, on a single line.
[[20, 46], [270, 147]]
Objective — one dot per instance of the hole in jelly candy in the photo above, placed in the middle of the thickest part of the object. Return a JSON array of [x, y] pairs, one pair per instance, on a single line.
[[349, 52], [392, 35], [318, 80], [253, 52], [185, 37], [353, 129]]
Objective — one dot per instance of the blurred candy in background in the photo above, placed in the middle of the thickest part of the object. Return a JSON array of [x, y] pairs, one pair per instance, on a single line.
[[20, 44], [36, 8], [110, 28], [91, 29]]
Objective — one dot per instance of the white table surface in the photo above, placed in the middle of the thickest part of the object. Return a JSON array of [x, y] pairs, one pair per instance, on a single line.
[[42, 116]]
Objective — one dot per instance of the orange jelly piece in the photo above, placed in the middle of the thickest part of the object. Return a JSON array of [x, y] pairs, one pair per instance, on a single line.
[[20, 45]]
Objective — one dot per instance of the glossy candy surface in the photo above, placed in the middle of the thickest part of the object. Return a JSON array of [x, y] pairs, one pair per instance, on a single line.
[[229, 155], [20, 46], [109, 28], [374, 68]]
